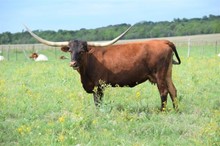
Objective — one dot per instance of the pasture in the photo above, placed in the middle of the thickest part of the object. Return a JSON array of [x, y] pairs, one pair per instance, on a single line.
[[43, 103]]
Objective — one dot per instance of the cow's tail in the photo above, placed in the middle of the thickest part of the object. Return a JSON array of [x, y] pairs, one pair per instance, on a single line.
[[176, 54]]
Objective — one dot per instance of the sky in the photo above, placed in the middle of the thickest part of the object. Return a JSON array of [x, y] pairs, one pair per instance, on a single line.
[[90, 14]]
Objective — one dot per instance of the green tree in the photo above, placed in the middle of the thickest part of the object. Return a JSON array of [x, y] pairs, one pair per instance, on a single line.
[[145, 29], [6, 38]]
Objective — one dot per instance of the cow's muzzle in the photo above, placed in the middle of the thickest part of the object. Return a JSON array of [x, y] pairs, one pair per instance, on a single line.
[[74, 65]]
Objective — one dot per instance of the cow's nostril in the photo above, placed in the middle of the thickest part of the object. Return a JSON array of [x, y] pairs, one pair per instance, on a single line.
[[73, 64]]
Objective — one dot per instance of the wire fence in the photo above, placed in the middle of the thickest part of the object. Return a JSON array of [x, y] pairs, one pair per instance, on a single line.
[[21, 52], [208, 46], [198, 48]]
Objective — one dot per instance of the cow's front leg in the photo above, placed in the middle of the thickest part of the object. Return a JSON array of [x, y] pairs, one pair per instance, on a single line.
[[98, 94]]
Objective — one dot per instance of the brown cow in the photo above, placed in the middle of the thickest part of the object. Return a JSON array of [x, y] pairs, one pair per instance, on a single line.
[[126, 64]]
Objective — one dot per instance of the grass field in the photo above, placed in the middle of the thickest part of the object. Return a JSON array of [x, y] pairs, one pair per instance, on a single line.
[[44, 104]]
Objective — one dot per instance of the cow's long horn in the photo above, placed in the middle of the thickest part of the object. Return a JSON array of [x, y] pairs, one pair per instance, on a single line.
[[98, 44], [49, 43]]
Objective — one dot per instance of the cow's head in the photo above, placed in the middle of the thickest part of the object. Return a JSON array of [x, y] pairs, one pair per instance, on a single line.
[[33, 55], [77, 49]]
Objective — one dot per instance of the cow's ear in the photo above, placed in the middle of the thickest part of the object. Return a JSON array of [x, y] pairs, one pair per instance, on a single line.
[[65, 48]]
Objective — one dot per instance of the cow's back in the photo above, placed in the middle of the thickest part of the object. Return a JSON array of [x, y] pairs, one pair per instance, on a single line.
[[41, 57]]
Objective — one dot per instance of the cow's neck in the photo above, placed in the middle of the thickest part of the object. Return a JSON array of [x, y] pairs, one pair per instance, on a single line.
[[88, 85]]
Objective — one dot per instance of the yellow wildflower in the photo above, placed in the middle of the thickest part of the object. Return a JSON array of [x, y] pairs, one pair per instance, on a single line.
[[94, 122], [24, 129], [20, 130], [138, 94], [61, 138], [61, 119]]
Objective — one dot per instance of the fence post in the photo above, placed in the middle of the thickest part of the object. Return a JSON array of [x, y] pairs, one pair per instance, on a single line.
[[25, 54], [203, 50], [0, 49], [16, 53], [55, 49], [33, 48], [8, 52], [188, 48]]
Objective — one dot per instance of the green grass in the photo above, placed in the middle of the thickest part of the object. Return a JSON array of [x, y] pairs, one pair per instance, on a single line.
[[44, 103]]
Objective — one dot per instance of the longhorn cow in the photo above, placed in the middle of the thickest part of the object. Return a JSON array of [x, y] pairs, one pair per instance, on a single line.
[[127, 64]]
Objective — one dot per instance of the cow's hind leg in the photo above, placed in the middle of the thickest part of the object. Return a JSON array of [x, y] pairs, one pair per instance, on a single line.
[[173, 92], [98, 94], [171, 88], [163, 89]]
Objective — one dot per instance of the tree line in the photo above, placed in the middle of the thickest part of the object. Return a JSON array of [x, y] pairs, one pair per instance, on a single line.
[[145, 29]]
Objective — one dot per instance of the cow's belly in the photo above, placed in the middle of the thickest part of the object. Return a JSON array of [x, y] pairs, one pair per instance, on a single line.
[[127, 78], [124, 74]]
